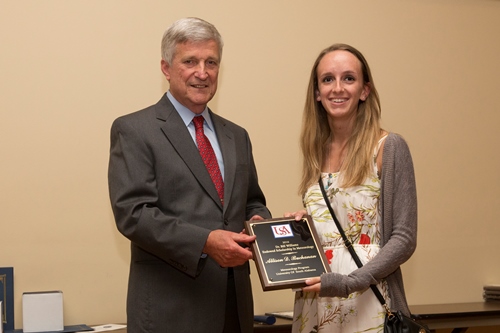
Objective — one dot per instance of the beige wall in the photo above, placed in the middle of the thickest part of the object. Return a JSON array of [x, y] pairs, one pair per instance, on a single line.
[[68, 68]]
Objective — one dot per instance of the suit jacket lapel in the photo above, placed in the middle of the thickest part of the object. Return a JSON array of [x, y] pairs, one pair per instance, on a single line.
[[176, 132], [227, 146]]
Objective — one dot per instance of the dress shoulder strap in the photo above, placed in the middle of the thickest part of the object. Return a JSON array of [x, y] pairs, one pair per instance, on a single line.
[[379, 144]]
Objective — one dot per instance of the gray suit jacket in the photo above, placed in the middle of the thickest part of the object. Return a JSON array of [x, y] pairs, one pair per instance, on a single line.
[[164, 201]]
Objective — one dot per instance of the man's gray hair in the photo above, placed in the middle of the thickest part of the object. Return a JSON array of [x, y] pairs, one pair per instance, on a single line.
[[189, 29]]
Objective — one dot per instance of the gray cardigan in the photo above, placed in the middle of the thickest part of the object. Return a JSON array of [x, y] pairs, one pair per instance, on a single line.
[[398, 205]]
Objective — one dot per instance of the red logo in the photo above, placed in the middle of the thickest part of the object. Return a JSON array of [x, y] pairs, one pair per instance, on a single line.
[[283, 230]]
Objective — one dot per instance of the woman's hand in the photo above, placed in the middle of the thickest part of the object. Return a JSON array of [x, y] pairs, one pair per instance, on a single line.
[[296, 215], [313, 284]]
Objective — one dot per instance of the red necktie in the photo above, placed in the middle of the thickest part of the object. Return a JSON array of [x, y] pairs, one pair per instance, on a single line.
[[208, 155]]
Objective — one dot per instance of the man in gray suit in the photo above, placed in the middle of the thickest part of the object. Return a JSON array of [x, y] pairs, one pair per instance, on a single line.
[[189, 269]]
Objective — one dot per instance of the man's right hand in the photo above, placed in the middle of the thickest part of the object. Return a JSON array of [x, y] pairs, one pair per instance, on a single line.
[[224, 247]]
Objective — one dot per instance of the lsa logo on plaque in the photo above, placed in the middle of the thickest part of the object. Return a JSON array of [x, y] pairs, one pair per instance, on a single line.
[[283, 230]]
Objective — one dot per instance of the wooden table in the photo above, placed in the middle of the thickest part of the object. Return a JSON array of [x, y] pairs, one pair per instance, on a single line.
[[458, 316]]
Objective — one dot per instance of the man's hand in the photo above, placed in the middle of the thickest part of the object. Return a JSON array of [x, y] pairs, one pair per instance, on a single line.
[[256, 218], [223, 246]]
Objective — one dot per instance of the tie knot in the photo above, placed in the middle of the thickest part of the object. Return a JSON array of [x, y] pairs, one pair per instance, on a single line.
[[198, 122]]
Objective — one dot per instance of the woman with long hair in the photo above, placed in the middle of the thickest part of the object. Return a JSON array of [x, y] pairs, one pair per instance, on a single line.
[[368, 177]]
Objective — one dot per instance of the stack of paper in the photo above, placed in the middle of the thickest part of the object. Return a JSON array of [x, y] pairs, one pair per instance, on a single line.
[[491, 292]]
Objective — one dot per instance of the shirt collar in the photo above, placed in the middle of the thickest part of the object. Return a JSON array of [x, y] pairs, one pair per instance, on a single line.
[[186, 114]]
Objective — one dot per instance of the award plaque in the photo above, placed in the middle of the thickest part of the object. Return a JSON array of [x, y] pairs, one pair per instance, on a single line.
[[286, 252]]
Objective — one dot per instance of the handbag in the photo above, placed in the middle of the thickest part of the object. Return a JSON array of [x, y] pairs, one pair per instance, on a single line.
[[395, 321]]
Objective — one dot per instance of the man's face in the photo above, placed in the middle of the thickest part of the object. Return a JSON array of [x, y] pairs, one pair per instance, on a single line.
[[193, 73]]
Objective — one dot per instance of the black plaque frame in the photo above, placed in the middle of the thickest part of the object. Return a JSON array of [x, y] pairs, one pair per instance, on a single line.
[[286, 252], [7, 298]]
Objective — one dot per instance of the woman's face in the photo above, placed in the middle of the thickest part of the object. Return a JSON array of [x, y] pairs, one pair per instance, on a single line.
[[340, 84]]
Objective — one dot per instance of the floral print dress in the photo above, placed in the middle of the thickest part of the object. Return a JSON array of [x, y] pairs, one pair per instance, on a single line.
[[357, 211]]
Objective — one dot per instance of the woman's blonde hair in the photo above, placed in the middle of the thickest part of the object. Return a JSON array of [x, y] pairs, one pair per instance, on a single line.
[[358, 163]]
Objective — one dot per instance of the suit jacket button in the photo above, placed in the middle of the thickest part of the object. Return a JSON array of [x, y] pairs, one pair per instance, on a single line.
[[226, 222]]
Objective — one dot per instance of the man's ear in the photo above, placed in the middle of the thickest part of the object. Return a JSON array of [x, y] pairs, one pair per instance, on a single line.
[[165, 68]]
